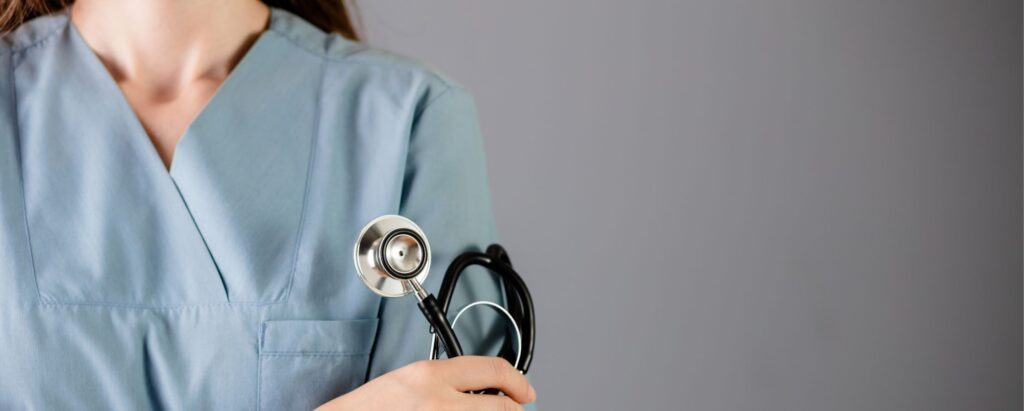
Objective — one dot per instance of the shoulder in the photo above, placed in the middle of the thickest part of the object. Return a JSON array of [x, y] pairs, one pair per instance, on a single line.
[[353, 64], [34, 32]]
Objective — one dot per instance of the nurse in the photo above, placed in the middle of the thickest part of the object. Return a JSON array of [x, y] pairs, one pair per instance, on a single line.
[[180, 185]]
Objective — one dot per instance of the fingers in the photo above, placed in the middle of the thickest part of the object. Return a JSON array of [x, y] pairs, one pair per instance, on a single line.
[[477, 402], [471, 373]]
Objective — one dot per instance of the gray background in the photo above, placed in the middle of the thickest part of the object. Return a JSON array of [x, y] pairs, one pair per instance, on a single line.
[[751, 204]]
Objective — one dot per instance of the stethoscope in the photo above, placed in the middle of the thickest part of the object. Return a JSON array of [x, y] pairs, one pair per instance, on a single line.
[[392, 257]]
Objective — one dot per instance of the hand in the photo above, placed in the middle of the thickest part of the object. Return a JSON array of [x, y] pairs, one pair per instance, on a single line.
[[441, 385]]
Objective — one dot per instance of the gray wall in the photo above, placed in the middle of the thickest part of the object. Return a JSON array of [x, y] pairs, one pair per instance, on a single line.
[[751, 204]]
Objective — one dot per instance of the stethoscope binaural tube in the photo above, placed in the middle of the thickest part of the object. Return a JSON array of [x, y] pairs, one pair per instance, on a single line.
[[517, 296]]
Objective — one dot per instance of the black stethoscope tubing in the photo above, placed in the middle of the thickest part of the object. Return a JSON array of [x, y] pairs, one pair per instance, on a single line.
[[519, 303]]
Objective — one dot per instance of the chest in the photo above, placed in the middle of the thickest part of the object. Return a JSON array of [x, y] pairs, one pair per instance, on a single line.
[[166, 116], [270, 183]]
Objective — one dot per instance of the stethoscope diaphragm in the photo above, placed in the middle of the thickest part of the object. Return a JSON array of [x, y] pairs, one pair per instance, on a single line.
[[390, 251]]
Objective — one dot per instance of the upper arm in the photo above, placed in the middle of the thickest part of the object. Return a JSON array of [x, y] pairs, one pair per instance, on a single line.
[[445, 191]]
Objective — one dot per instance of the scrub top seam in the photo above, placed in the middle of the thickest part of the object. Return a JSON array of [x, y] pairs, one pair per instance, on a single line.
[[35, 44], [21, 175], [376, 338], [188, 307], [350, 58], [398, 67], [312, 354], [312, 50], [43, 38], [311, 159], [431, 100], [414, 119]]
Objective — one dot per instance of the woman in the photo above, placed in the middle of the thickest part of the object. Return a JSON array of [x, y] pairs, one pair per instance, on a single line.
[[180, 185]]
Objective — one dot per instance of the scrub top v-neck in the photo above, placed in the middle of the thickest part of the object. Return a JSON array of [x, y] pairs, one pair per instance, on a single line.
[[225, 282]]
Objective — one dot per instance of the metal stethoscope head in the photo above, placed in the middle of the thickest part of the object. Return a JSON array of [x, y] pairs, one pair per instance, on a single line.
[[392, 256]]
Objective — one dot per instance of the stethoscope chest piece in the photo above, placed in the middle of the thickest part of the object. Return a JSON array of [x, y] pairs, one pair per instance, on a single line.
[[392, 257], [389, 251]]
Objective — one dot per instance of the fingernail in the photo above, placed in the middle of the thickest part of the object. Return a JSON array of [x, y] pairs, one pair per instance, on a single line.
[[533, 394]]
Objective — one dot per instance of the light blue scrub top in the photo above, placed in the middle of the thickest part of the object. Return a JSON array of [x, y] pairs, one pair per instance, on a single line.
[[226, 283]]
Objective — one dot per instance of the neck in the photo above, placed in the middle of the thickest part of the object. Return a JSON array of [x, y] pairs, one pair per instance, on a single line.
[[165, 45]]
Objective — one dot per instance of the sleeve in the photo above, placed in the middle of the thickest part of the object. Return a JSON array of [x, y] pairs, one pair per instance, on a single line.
[[446, 193]]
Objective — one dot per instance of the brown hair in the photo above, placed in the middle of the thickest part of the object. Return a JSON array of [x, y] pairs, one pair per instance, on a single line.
[[329, 15]]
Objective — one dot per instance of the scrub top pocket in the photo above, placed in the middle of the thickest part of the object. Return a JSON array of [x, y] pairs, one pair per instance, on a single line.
[[305, 363]]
